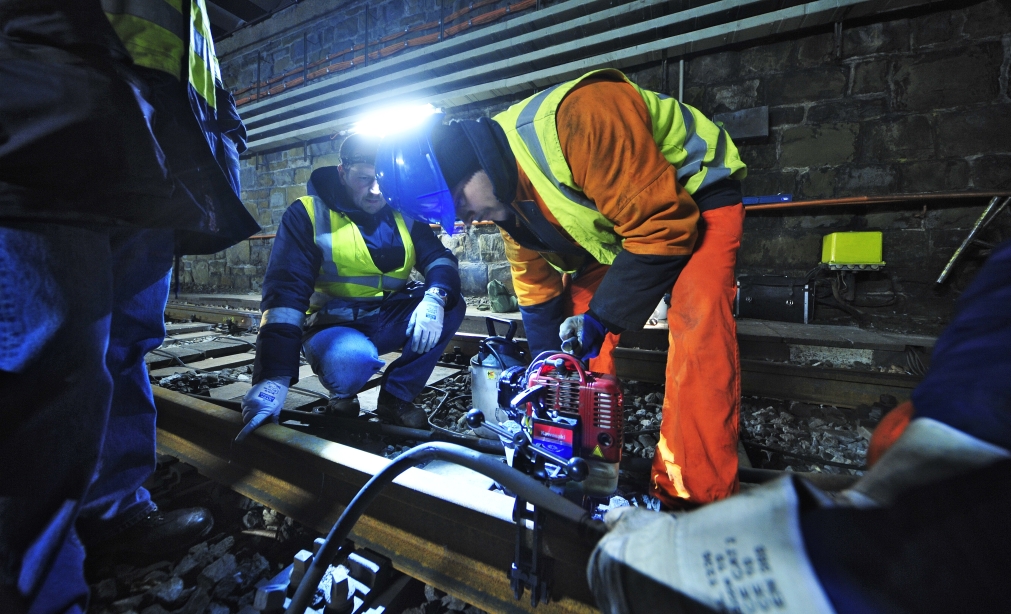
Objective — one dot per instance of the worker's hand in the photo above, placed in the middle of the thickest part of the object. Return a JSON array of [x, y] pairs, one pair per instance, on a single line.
[[425, 326], [582, 336], [730, 555], [263, 402]]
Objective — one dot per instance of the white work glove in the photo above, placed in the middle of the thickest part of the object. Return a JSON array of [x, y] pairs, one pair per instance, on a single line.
[[425, 326], [742, 554], [263, 402], [928, 451]]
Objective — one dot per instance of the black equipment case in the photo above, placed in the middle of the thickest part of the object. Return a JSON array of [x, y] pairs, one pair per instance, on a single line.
[[782, 299]]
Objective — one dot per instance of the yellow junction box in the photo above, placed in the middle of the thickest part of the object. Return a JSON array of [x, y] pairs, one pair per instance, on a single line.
[[852, 250]]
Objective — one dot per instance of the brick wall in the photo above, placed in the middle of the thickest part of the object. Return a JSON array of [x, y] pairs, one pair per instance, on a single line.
[[917, 102]]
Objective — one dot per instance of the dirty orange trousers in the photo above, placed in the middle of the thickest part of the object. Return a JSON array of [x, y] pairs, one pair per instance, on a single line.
[[696, 458]]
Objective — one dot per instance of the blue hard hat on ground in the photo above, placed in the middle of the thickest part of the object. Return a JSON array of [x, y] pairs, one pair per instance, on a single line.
[[410, 178]]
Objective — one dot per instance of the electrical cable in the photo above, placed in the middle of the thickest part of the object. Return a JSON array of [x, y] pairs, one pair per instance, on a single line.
[[524, 486]]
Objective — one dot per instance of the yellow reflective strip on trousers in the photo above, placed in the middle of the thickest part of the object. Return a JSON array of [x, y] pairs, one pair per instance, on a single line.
[[150, 45]]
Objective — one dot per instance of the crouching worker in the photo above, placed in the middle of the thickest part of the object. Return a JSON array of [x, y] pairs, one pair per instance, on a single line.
[[344, 258], [921, 531]]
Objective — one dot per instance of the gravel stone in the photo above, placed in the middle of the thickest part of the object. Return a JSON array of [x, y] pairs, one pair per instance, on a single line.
[[104, 591], [217, 571], [223, 546], [217, 608], [126, 604], [170, 591], [453, 603], [197, 602]]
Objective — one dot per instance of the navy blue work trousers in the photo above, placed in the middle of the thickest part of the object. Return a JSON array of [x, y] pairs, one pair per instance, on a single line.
[[79, 309], [347, 355]]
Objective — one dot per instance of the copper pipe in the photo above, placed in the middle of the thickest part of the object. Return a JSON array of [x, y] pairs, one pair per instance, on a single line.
[[828, 202], [869, 200]]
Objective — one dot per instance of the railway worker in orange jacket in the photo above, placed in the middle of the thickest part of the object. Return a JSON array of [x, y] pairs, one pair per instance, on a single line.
[[606, 195]]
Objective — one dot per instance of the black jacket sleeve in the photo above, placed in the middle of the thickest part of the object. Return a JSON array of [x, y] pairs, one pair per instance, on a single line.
[[288, 283], [633, 287], [439, 266]]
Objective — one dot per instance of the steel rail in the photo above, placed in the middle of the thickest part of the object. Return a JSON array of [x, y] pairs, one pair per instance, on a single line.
[[832, 386], [460, 540]]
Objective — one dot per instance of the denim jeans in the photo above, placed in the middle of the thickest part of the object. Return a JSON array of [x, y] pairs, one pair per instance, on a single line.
[[79, 309], [346, 356]]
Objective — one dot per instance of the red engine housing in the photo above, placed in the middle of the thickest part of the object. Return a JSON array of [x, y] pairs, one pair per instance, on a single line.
[[594, 398]]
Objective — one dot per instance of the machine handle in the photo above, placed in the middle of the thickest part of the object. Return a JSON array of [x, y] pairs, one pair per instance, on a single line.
[[489, 322], [576, 468], [569, 358]]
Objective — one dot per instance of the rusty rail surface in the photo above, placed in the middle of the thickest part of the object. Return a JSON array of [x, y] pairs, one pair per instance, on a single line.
[[460, 540]]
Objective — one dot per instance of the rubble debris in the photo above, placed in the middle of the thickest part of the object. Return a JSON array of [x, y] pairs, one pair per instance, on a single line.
[[220, 575]]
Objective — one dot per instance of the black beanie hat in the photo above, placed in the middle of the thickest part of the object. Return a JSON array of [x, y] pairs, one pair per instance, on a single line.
[[359, 148], [454, 153]]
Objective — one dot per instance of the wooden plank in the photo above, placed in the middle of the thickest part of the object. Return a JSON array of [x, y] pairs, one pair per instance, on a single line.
[[840, 387], [250, 302], [191, 336], [211, 364], [217, 315], [752, 332], [193, 352], [181, 328]]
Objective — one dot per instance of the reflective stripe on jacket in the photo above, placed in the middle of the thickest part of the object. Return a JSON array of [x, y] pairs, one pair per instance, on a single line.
[[159, 34], [347, 269], [701, 151]]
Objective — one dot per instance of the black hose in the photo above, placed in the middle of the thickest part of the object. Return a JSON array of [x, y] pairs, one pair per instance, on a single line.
[[524, 486]]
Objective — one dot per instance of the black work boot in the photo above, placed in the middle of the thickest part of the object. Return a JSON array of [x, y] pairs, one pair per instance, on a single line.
[[161, 532], [402, 413], [344, 408]]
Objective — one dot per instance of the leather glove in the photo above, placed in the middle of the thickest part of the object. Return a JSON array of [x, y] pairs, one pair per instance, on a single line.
[[263, 402], [582, 336], [425, 326], [742, 554]]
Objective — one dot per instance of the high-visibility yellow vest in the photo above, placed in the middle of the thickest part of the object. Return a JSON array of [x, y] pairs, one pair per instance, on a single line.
[[170, 36], [347, 270], [701, 151]]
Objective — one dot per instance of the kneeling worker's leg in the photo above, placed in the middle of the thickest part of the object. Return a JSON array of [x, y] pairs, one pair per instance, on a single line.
[[343, 358], [407, 376], [696, 458]]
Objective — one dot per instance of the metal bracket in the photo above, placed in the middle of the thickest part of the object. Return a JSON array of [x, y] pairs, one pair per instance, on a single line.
[[989, 214], [529, 570]]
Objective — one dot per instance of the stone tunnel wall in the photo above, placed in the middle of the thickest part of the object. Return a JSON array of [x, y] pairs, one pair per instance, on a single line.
[[915, 102]]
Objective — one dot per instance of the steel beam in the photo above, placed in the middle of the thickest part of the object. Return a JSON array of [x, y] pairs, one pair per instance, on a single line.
[[457, 539], [556, 53]]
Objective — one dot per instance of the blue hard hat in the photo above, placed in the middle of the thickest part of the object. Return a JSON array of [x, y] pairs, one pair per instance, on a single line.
[[410, 178]]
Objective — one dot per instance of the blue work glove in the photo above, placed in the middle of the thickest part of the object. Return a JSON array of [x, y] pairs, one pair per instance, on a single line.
[[263, 402], [582, 336], [425, 326]]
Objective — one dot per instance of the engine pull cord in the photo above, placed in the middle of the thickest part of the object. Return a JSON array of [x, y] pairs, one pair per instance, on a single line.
[[522, 485]]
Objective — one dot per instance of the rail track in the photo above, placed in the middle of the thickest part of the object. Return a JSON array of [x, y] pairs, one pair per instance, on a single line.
[[437, 524]]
